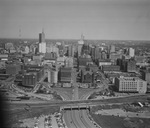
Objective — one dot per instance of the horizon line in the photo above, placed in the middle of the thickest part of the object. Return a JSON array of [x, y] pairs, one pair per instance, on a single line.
[[76, 39]]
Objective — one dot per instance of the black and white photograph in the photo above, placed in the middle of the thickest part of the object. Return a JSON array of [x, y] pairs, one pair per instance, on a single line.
[[75, 63]]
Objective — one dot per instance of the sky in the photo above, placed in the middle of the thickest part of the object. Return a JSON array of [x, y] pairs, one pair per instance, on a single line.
[[68, 19]]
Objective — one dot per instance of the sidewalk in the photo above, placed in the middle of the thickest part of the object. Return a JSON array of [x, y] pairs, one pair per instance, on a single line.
[[54, 123], [41, 122]]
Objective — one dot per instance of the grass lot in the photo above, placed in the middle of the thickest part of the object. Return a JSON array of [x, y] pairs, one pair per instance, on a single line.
[[120, 122], [13, 116], [109, 121]]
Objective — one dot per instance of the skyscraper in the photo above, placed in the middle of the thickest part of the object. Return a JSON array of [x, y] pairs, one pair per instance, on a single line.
[[42, 43], [131, 52], [71, 50], [112, 48], [42, 37], [42, 47], [80, 45]]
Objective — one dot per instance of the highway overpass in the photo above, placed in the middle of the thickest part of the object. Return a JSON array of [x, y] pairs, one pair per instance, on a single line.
[[75, 107]]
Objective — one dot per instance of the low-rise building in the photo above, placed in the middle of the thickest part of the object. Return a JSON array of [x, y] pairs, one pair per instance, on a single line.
[[104, 62], [110, 68], [131, 84], [13, 69], [61, 61], [3, 56], [82, 62]]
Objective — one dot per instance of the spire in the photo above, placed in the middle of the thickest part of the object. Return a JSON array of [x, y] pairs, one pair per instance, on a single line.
[[42, 30], [82, 37]]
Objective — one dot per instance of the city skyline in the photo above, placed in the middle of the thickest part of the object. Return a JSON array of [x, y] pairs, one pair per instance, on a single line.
[[68, 19]]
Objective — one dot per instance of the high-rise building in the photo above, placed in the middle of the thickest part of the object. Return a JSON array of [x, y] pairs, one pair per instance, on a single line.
[[104, 55], [80, 45], [129, 65], [42, 43], [71, 51], [131, 52], [42, 37], [112, 48], [97, 53], [42, 47], [79, 50], [53, 76], [85, 49], [81, 41], [65, 75], [29, 79], [92, 51], [69, 62]]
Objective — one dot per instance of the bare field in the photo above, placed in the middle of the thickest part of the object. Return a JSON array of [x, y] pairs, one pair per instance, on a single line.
[[120, 122], [13, 116]]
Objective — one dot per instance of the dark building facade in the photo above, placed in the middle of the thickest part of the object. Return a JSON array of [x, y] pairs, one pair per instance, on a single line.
[[64, 75], [146, 76], [32, 75], [29, 79], [87, 76], [129, 65], [13, 69], [41, 37]]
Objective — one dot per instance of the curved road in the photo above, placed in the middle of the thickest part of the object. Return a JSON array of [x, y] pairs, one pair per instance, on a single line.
[[68, 119], [78, 118]]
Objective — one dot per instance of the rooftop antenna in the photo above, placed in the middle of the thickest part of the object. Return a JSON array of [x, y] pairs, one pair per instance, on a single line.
[[20, 34], [42, 30], [82, 37]]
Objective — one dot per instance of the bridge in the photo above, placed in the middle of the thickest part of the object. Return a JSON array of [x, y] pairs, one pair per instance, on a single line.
[[75, 107]]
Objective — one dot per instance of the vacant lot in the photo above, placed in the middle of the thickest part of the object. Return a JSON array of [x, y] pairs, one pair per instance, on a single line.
[[120, 122], [13, 115]]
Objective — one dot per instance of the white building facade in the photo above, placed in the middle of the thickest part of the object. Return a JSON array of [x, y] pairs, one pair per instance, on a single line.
[[131, 84], [42, 47], [131, 52]]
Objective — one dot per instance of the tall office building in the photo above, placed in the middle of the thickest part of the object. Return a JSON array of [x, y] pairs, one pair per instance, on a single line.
[[42, 43], [80, 45], [129, 65], [97, 53], [103, 55], [42, 37], [131, 52], [112, 48], [71, 51], [42, 47], [81, 41], [52, 76]]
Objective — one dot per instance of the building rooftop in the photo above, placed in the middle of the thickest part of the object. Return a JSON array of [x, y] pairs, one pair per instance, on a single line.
[[106, 60], [130, 78]]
